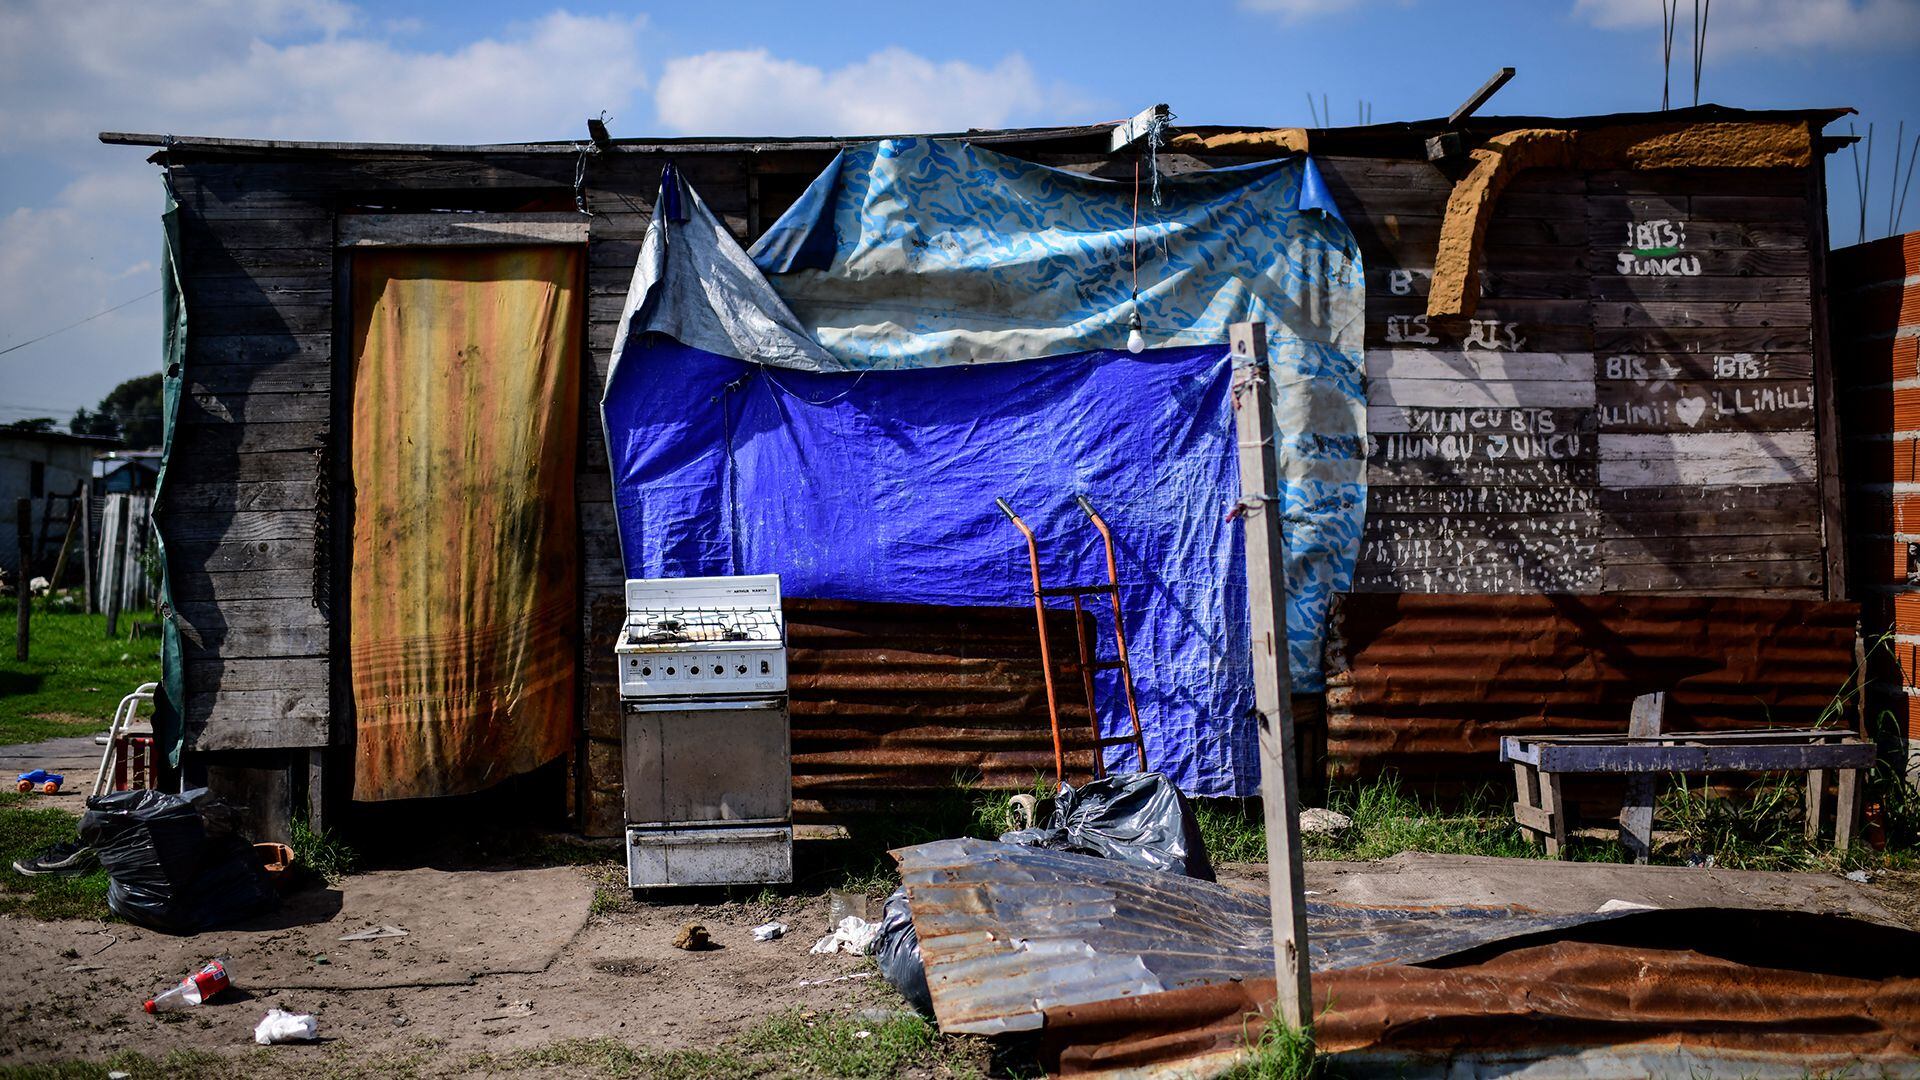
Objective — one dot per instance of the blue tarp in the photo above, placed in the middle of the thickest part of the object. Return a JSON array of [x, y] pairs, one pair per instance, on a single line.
[[934, 334], [882, 488]]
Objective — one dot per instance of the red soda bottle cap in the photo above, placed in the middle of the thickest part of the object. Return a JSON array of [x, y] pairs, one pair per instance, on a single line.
[[149, 1005]]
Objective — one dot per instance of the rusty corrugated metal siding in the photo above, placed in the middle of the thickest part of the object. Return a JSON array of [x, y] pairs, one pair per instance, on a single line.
[[1426, 685], [891, 701]]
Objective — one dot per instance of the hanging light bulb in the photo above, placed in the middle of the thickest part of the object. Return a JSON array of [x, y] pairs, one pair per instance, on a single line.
[[1136, 341]]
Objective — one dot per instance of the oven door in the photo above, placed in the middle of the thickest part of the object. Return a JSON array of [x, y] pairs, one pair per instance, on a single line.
[[708, 766]]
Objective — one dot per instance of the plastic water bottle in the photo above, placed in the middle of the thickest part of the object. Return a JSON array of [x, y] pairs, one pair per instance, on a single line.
[[195, 988]]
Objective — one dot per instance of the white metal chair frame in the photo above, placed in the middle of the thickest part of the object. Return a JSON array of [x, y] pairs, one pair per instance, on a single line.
[[122, 717]]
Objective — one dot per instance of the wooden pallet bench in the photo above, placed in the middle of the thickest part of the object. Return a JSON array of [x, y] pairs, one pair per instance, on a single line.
[[1644, 752]]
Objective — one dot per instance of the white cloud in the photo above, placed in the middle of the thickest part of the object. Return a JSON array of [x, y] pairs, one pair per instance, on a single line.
[[308, 69], [753, 92], [1774, 25]]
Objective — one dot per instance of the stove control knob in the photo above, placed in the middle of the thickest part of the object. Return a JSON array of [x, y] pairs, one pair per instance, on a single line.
[[743, 669], [766, 668], [646, 672], [669, 671]]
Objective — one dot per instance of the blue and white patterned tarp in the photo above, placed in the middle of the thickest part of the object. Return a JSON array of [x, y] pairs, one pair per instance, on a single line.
[[915, 253]]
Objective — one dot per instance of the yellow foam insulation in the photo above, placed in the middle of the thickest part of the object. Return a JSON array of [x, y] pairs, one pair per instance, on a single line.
[[1278, 140], [1456, 265]]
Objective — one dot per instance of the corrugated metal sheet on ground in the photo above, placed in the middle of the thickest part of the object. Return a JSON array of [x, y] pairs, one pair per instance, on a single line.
[[1009, 931], [1130, 972], [1724, 1000], [1426, 685]]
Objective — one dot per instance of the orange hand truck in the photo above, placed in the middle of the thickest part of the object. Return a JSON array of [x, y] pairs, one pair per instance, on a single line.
[[1088, 663]]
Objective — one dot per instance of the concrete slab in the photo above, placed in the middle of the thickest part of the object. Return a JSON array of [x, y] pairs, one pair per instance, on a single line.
[[1554, 887]]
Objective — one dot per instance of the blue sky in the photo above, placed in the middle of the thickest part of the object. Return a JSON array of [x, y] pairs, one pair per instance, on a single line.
[[78, 227]]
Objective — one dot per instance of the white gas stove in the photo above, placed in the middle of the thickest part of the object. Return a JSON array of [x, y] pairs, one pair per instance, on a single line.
[[698, 642], [709, 780]]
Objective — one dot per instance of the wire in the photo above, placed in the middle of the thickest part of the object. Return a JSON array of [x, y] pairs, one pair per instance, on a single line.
[[1700, 17], [82, 322], [1669, 18], [1134, 233]]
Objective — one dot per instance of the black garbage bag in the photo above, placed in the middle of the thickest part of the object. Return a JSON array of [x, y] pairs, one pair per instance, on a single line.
[[1136, 818], [176, 863], [896, 948]]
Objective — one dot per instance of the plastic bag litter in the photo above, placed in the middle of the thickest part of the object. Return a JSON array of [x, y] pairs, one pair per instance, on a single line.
[[896, 950], [854, 935], [176, 863], [280, 1026], [1137, 818], [769, 931]]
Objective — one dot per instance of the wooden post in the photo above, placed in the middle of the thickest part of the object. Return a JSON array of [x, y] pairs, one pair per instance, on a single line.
[[1261, 511], [23, 529], [1816, 802], [86, 546], [113, 560], [1636, 810], [66, 547]]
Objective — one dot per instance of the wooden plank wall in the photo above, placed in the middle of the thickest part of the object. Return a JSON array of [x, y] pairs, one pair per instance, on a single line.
[[1607, 422], [251, 498], [1646, 426]]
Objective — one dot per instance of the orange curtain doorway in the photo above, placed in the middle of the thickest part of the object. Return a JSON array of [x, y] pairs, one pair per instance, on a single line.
[[464, 602]]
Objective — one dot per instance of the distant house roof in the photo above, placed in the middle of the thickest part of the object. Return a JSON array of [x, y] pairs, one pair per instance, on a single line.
[[67, 438]]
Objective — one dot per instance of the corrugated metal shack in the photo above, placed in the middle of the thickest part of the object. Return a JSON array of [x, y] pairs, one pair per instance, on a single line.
[[1616, 471]]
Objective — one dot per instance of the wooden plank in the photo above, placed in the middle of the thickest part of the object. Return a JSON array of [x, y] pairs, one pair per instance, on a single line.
[[249, 628], [1740, 546], [1556, 807], [1579, 472], [1526, 783], [1798, 498], [249, 408], [1769, 522], [1534, 818], [1783, 577], [1683, 367], [1636, 289], [1816, 799], [256, 719], [1833, 516], [1775, 405], [1702, 313], [1479, 500], [1418, 363], [234, 555], [1266, 600], [1716, 459], [1636, 809], [1495, 447], [210, 439], [232, 675], [1420, 419], [451, 230], [303, 350], [223, 496], [1695, 339], [275, 584], [1463, 393], [1846, 813], [1721, 757]]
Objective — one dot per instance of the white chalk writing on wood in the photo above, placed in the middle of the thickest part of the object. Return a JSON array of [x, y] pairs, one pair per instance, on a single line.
[[1479, 499], [1410, 329], [1493, 334], [1657, 248], [1388, 419], [1488, 447]]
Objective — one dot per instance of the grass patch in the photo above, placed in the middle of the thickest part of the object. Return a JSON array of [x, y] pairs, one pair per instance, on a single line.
[[321, 853], [1280, 1052], [74, 677], [26, 831], [794, 1043], [1387, 820], [137, 1066]]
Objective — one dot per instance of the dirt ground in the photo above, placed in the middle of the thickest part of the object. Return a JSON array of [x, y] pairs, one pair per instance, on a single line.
[[78, 986], [511, 959]]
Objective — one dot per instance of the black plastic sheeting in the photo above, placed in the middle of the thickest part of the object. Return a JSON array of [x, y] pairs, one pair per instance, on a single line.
[[896, 949], [1140, 819], [1007, 932], [175, 863]]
